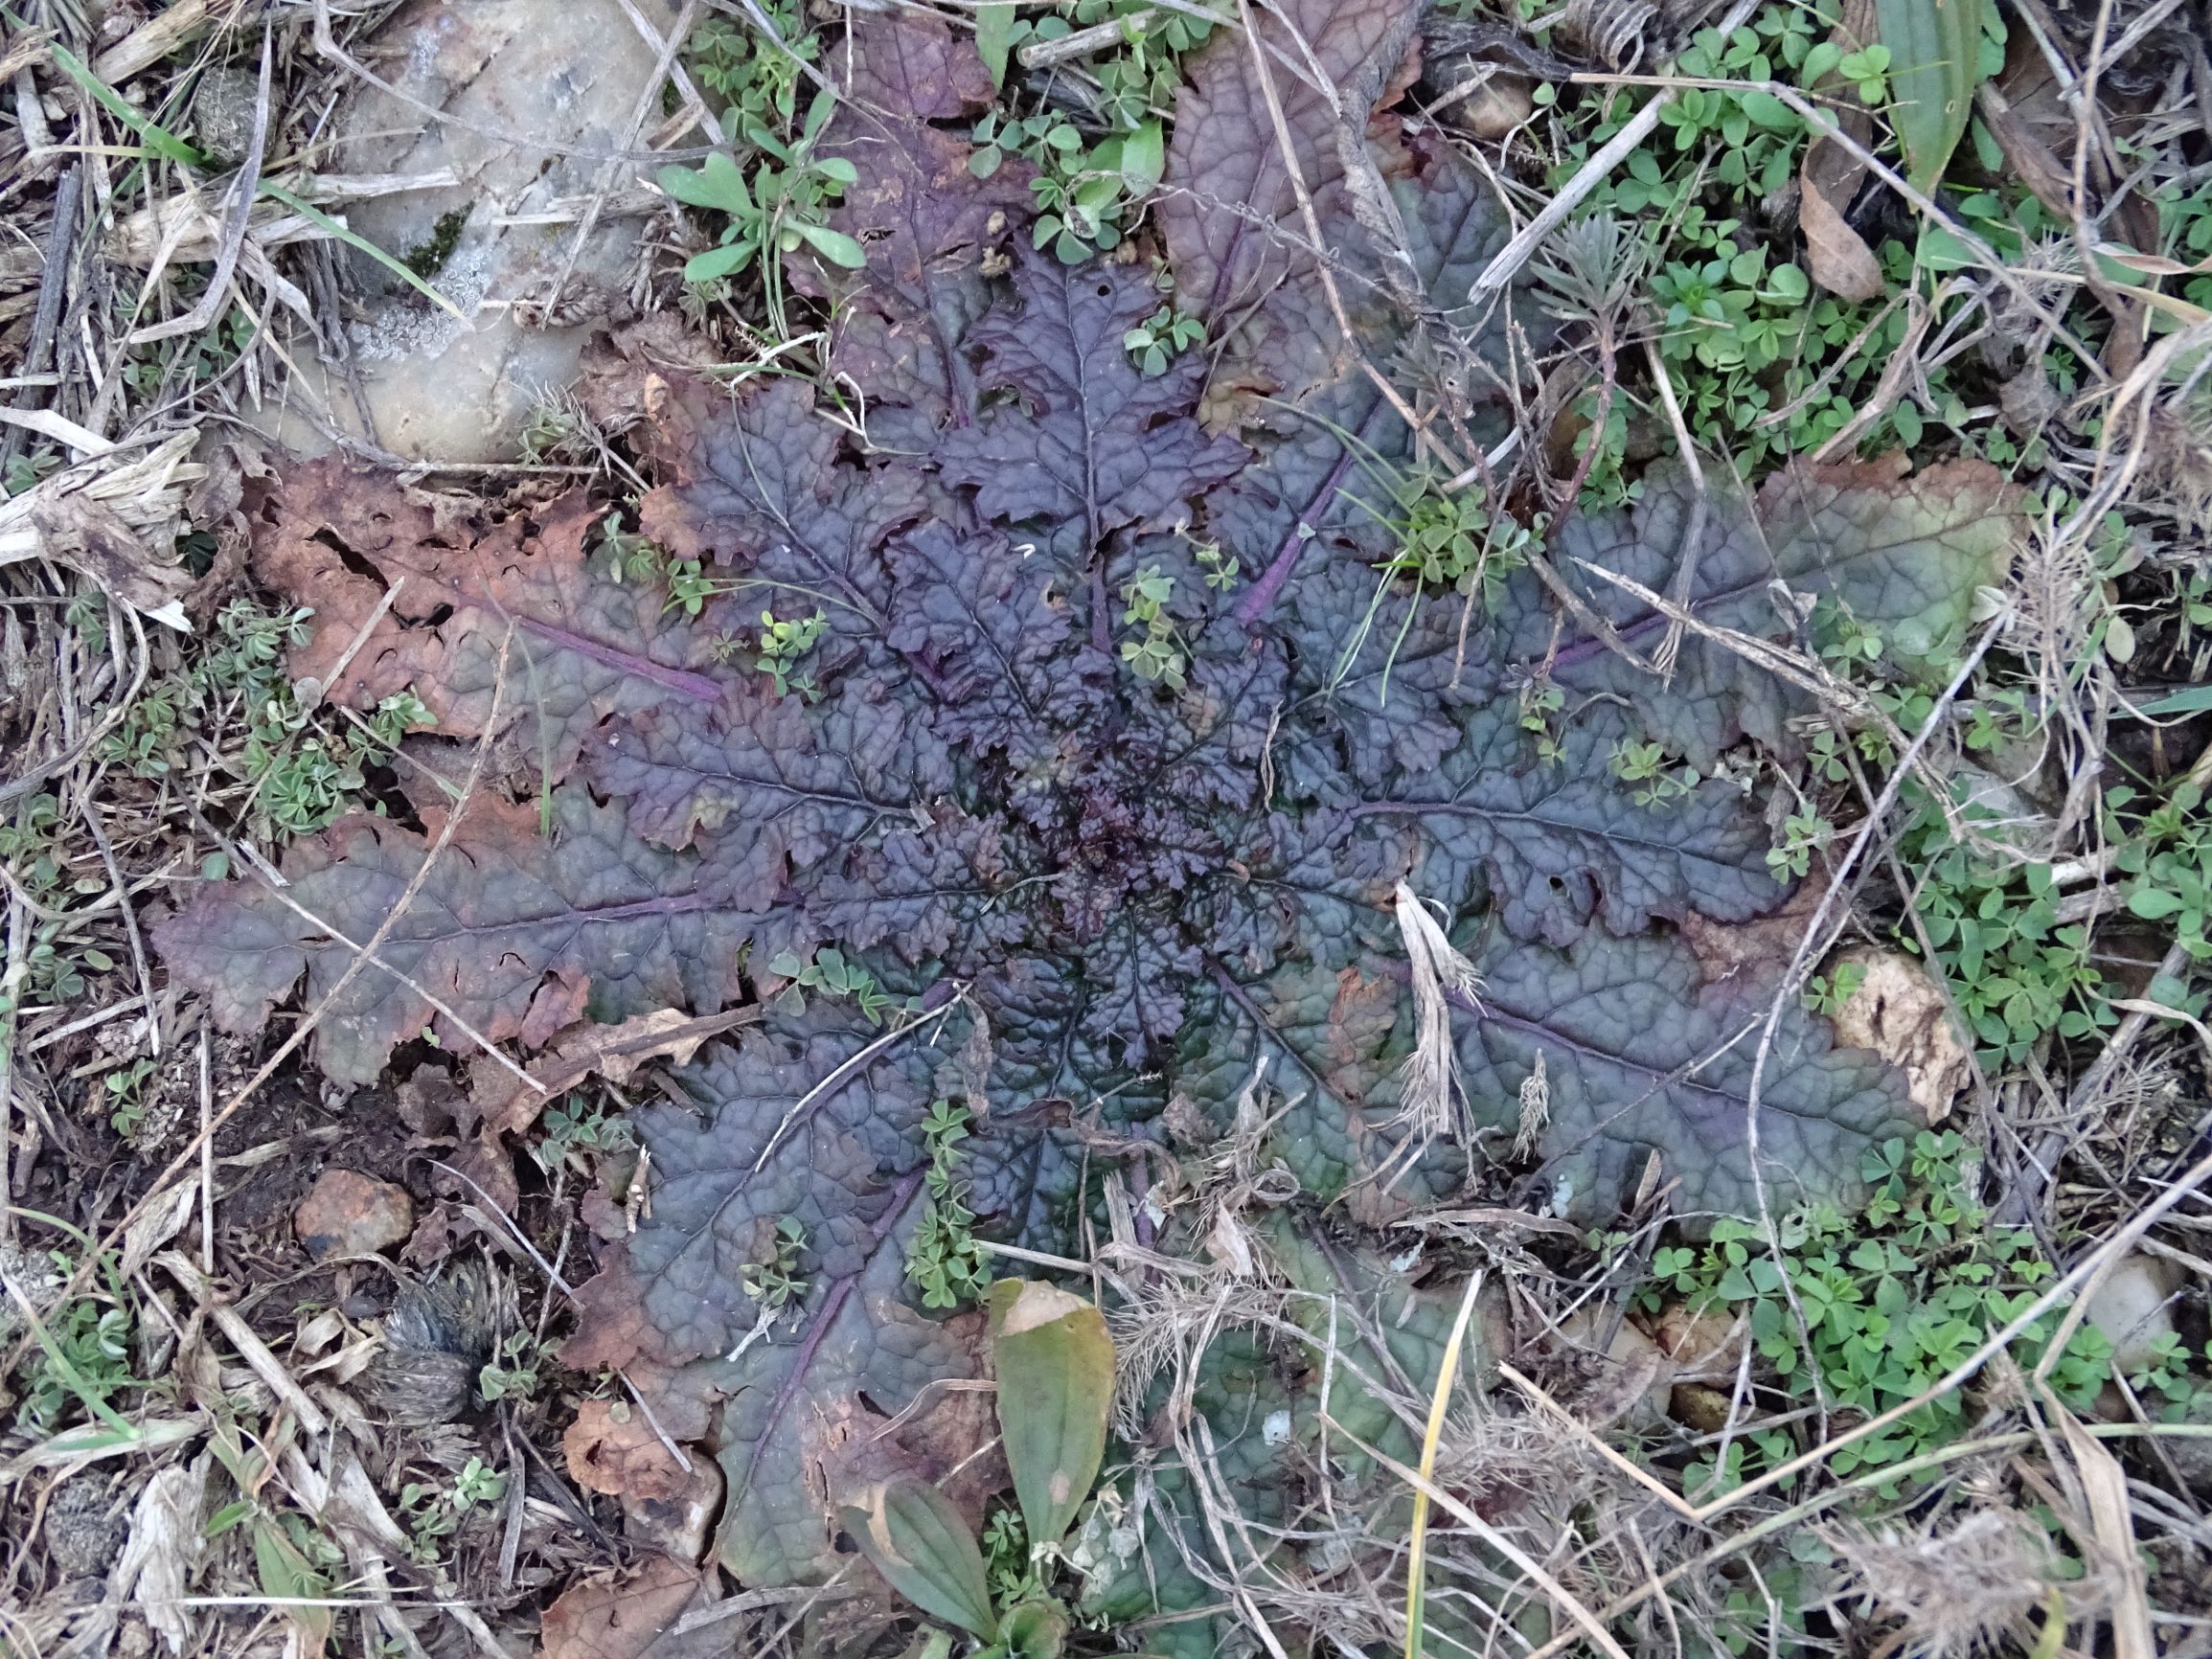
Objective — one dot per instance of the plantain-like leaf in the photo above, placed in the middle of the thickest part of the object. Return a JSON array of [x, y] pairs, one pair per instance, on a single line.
[[1935, 64], [1055, 1386], [919, 1540], [1034, 1631]]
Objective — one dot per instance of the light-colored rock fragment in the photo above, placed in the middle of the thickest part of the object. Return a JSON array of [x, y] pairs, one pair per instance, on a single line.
[[569, 81], [2134, 1308], [1898, 1011], [1633, 1379]]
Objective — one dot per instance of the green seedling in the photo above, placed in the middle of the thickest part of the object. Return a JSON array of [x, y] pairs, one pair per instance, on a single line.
[[1157, 653], [831, 973], [785, 208], [783, 643], [125, 1090], [515, 1368], [1166, 334], [777, 1283], [1826, 993], [1645, 765], [434, 1513], [576, 1129], [944, 1263], [1892, 1299], [751, 73]]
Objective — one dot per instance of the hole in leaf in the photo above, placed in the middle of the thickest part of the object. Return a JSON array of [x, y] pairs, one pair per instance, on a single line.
[[348, 557]]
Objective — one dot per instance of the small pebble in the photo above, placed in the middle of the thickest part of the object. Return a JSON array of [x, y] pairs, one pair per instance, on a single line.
[[677, 1526], [82, 1529], [349, 1213], [222, 114], [2135, 1308]]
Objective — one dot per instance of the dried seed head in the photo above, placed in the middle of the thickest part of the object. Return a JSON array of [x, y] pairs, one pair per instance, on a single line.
[[1432, 1091], [1961, 1592], [437, 1338], [1611, 31]]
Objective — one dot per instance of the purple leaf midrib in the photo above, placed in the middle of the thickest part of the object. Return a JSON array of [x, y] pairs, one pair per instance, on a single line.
[[698, 687]]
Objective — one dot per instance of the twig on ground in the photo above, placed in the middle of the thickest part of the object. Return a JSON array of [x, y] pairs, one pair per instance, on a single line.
[[1296, 177], [52, 288], [1692, 533], [648, 99], [2026, 1192], [10, 995], [1507, 264]]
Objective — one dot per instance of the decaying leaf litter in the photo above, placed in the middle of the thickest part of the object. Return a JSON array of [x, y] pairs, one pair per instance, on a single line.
[[1325, 675]]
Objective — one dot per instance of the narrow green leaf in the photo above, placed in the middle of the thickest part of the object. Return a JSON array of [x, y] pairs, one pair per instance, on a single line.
[[1935, 63], [916, 1538], [2195, 700], [994, 37], [287, 1575], [718, 262], [353, 238], [158, 138], [1056, 1381], [715, 183]]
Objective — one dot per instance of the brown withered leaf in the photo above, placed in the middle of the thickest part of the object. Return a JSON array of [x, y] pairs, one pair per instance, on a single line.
[[611, 1448], [1756, 948], [1840, 261], [633, 1615], [502, 909], [81, 531], [1898, 1010], [1832, 173], [584, 644]]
